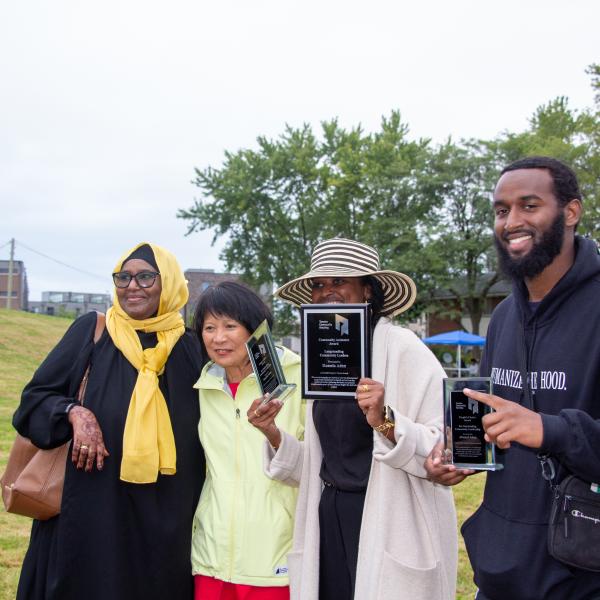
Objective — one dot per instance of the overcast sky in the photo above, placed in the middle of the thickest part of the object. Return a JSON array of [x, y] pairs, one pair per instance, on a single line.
[[107, 107]]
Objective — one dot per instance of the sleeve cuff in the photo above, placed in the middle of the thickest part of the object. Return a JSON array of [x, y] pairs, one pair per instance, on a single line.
[[397, 455], [555, 435], [286, 462]]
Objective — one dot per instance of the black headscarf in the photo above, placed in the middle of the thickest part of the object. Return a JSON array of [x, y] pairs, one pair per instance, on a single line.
[[144, 252]]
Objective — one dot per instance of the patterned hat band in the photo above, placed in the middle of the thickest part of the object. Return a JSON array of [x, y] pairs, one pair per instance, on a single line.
[[347, 258]]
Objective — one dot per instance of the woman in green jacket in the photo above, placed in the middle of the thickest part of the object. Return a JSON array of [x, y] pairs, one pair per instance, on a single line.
[[244, 522]]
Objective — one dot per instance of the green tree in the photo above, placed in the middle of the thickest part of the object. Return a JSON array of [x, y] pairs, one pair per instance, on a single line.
[[594, 72], [268, 203], [458, 229], [273, 204]]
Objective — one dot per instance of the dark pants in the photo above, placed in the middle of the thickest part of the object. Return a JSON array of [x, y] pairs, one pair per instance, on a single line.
[[340, 515]]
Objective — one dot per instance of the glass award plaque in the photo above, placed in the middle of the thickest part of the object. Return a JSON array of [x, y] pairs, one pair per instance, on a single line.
[[336, 351], [266, 365], [464, 441]]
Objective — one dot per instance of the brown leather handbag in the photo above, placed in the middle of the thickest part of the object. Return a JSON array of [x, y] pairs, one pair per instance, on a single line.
[[33, 482]]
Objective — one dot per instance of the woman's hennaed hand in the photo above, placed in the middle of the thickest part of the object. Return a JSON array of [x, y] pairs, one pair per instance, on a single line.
[[261, 414], [88, 443], [370, 395]]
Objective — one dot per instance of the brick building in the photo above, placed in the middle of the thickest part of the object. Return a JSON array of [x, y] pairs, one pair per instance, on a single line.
[[439, 322], [198, 281], [20, 291], [70, 303]]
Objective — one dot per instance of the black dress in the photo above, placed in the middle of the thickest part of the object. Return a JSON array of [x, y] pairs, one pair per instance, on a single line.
[[347, 445], [113, 540]]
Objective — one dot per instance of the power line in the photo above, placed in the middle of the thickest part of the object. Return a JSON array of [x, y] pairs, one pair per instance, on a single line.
[[60, 262], [4, 245]]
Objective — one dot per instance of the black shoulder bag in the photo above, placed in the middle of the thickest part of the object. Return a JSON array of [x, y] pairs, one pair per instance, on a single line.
[[574, 527]]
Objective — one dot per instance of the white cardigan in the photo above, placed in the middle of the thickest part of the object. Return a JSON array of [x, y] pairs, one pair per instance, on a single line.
[[408, 541]]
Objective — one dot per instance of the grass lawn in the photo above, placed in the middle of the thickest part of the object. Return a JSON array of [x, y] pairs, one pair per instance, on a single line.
[[25, 339], [467, 497]]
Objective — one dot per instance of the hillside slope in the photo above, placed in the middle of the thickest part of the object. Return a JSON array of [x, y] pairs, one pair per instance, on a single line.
[[25, 340]]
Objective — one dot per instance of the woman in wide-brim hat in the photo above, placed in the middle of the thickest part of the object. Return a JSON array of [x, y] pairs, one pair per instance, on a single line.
[[347, 259], [369, 525]]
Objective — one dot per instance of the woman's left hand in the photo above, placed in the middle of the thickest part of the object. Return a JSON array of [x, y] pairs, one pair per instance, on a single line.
[[88, 443], [370, 395]]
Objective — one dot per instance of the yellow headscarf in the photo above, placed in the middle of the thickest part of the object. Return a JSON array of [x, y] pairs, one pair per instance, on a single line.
[[148, 442]]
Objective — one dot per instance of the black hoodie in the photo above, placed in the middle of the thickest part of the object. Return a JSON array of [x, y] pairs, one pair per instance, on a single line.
[[558, 345]]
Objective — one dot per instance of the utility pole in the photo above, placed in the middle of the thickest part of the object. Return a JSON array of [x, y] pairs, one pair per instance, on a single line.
[[9, 285]]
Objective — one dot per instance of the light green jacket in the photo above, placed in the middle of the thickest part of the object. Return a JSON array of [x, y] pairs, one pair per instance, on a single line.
[[244, 521]]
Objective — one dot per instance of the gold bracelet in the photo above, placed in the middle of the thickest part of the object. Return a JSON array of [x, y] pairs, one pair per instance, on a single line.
[[385, 426]]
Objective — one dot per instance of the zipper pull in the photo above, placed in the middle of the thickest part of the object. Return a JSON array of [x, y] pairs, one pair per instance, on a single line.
[[566, 515], [237, 413]]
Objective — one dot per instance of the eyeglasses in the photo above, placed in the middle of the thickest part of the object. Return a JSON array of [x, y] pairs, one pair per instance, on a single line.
[[145, 279]]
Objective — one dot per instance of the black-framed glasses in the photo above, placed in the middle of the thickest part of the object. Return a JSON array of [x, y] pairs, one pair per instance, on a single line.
[[144, 279]]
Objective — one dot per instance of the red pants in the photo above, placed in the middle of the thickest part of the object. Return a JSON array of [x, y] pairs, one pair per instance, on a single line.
[[209, 588]]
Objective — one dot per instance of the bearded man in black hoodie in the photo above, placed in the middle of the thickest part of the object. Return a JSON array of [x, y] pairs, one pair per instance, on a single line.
[[549, 328]]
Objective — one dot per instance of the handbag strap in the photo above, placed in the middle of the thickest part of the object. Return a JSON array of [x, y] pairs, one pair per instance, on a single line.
[[100, 325]]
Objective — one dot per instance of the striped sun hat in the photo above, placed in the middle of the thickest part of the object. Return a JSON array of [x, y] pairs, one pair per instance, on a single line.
[[339, 257]]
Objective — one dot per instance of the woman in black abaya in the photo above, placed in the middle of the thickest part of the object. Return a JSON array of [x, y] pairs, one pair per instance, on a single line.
[[136, 467]]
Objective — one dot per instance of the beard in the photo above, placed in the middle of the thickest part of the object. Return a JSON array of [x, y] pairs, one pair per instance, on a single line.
[[539, 257]]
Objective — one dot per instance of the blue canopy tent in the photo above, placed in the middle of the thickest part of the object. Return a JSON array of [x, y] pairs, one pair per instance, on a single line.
[[456, 338]]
